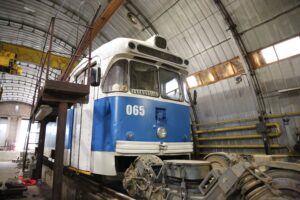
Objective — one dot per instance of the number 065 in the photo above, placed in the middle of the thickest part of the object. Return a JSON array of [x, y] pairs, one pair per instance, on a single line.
[[135, 110]]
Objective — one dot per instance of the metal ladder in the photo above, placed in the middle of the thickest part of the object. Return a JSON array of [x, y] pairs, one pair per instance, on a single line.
[[27, 144], [194, 121]]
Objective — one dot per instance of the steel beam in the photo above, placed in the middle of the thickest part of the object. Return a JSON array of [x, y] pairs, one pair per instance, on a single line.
[[91, 33], [40, 150], [12, 81], [18, 93], [59, 152], [15, 101], [74, 13], [17, 88], [16, 97]]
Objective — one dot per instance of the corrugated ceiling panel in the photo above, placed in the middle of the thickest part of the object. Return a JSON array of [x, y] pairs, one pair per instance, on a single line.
[[180, 18], [185, 6], [201, 65]]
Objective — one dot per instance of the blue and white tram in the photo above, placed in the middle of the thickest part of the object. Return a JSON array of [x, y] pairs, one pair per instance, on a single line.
[[139, 107]]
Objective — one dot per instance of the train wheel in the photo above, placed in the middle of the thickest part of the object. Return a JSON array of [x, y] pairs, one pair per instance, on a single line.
[[284, 185], [286, 181], [142, 179]]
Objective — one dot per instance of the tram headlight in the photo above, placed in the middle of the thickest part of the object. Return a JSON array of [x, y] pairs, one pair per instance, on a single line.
[[161, 132]]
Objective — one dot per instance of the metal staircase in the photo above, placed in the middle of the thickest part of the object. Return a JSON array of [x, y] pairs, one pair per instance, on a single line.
[[51, 100]]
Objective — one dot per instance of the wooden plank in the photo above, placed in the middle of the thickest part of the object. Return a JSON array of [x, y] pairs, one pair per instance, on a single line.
[[61, 87], [53, 99]]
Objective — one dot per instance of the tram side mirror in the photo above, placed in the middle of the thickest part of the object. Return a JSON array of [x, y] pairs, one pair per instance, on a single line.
[[95, 76], [195, 97]]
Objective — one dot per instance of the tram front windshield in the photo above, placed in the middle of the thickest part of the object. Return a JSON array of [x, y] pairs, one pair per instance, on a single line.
[[146, 79], [143, 79]]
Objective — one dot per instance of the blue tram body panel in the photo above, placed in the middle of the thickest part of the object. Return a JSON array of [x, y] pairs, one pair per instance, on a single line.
[[111, 121], [69, 129]]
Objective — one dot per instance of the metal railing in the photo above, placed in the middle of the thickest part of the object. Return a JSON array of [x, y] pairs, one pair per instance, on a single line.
[[205, 137]]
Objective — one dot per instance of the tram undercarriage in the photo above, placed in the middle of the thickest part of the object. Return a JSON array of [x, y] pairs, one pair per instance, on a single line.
[[218, 176]]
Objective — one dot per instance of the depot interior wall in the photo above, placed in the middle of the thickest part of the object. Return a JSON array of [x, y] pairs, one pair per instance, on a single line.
[[262, 23], [12, 114]]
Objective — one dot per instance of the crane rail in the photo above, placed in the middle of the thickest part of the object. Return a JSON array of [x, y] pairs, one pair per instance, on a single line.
[[90, 189], [96, 190]]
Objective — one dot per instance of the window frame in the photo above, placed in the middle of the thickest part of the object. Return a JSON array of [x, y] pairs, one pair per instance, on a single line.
[[107, 72], [129, 77], [84, 70], [185, 94], [180, 85], [158, 68]]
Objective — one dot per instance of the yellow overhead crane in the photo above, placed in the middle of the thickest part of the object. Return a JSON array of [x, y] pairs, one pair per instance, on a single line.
[[9, 53], [8, 63]]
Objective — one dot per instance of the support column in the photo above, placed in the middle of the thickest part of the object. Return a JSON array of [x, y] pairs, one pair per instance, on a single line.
[[40, 150], [12, 131], [59, 152]]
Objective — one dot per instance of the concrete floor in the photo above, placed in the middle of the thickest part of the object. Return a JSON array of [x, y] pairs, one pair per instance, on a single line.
[[35, 192], [9, 170]]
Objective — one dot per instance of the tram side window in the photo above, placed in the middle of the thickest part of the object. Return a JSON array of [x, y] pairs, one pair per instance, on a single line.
[[81, 78], [170, 85], [116, 79]]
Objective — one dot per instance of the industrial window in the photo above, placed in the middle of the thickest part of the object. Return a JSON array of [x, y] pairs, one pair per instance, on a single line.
[[259, 58], [269, 55], [3, 129], [216, 73], [116, 79], [276, 52], [192, 81], [22, 133], [288, 48]]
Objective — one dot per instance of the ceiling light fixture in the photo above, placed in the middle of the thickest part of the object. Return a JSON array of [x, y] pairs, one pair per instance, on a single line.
[[238, 79], [135, 20], [17, 108]]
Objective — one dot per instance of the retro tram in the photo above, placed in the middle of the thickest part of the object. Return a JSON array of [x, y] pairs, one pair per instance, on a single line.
[[136, 125]]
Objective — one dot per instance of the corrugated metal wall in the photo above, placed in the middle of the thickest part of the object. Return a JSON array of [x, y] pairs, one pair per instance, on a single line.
[[270, 22]]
